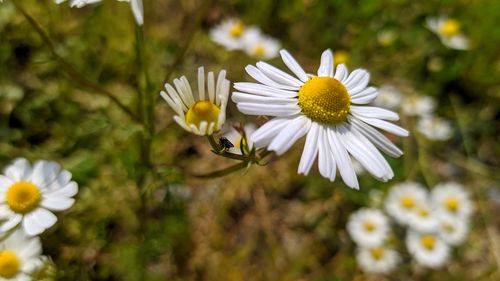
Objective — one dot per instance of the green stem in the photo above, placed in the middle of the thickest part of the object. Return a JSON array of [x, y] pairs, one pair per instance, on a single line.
[[223, 172]]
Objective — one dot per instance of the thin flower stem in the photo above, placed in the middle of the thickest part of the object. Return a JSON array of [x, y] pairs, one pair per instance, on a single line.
[[75, 75], [224, 172]]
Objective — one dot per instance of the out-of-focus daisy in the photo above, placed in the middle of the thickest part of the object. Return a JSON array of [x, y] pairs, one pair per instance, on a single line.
[[418, 105], [368, 227], [204, 114], [453, 230], [449, 32], [341, 57], [378, 259], [402, 200], [230, 33], [136, 5], [451, 198], [19, 256], [328, 108], [386, 37], [423, 218], [388, 97], [237, 139], [260, 46], [434, 128], [29, 194], [428, 249]]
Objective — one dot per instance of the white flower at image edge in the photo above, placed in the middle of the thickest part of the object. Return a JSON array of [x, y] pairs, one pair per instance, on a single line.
[[20, 256], [136, 5], [329, 109], [378, 259], [428, 249], [368, 227], [28, 195], [204, 114]]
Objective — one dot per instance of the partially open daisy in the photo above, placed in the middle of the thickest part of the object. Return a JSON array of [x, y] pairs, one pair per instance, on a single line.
[[237, 139], [403, 199], [368, 227], [136, 5], [378, 259], [28, 195], [260, 46], [329, 109], [230, 33], [205, 113], [449, 31], [452, 199], [20, 256], [428, 249], [434, 128]]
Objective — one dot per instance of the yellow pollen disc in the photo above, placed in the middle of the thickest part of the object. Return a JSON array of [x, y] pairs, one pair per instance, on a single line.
[[202, 111], [407, 202], [423, 212], [9, 264], [259, 50], [451, 204], [23, 197], [450, 28], [324, 99], [377, 252], [369, 226], [341, 57], [237, 29], [428, 241]]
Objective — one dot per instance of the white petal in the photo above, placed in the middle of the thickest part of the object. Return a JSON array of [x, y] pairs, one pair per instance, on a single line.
[[341, 74], [263, 136], [211, 86], [44, 173], [138, 11], [294, 130], [262, 78], [238, 97], [20, 169], [268, 109], [374, 112], [12, 222], [326, 162], [326, 66], [310, 150], [293, 65], [44, 218], [376, 138], [201, 82], [356, 78], [263, 90], [31, 226], [384, 125], [278, 75], [344, 162], [69, 190], [5, 183], [366, 96], [219, 86], [57, 203]]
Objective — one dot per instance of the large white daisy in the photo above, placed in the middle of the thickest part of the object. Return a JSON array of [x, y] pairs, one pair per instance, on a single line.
[[378, 259], [427, 248], [329, 109], [403, 199], [28, 195], [20, 256], [452, 199], [136, 5], [368, 227], [204, 114]]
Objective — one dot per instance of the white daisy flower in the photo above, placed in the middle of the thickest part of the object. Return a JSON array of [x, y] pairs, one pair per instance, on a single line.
[[237, 139], [453, 230], [329, 109], [423, 218], [260, 46], [28, 195], [402, 200], [428, 249], [449, 32], [368, 227], [434, 128], [201, 115], [20, 256], [230, 33], [388, 97], [136, 5], [418, 105], [451, 198], [378, 259]]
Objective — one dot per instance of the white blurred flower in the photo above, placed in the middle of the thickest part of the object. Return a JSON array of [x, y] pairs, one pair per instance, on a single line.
[[434, 128], [402, 200], [452, 199], [388, 97], [136, 6], [378, 259], [453, 230], [449, 32], [428, 249], [236, 138], [230, 33], [418, 105], [386, 37], [199, 115], [423, 218], [29, 194], [368, 227], [20, 256], [329, 108], [260, 46]]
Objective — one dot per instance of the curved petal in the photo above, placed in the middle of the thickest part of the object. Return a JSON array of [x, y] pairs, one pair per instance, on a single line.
[[294, 130], [44, 218], [344, 162], [263, 136], [264, 90], [326, 66], [31, 226], [374, 112], [310, 151], [57, 203], [278, 75], [268, 109], [262, 78], [293, 65]]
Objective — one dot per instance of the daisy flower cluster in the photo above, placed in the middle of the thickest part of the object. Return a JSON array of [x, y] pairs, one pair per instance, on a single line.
[[449, 32], [420, 106], [233, 34], [28, 197], [434, 222]]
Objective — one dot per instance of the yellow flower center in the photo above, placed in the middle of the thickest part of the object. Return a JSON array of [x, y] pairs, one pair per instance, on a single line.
[[9, 264], [428, 241], [324, 99], [23, 197], [407, 202], [341, 57], [451, 204], [202, 110], [259, 50], [369, 226], [377, 252], [237, 29], [450, 28], [423, 212]]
